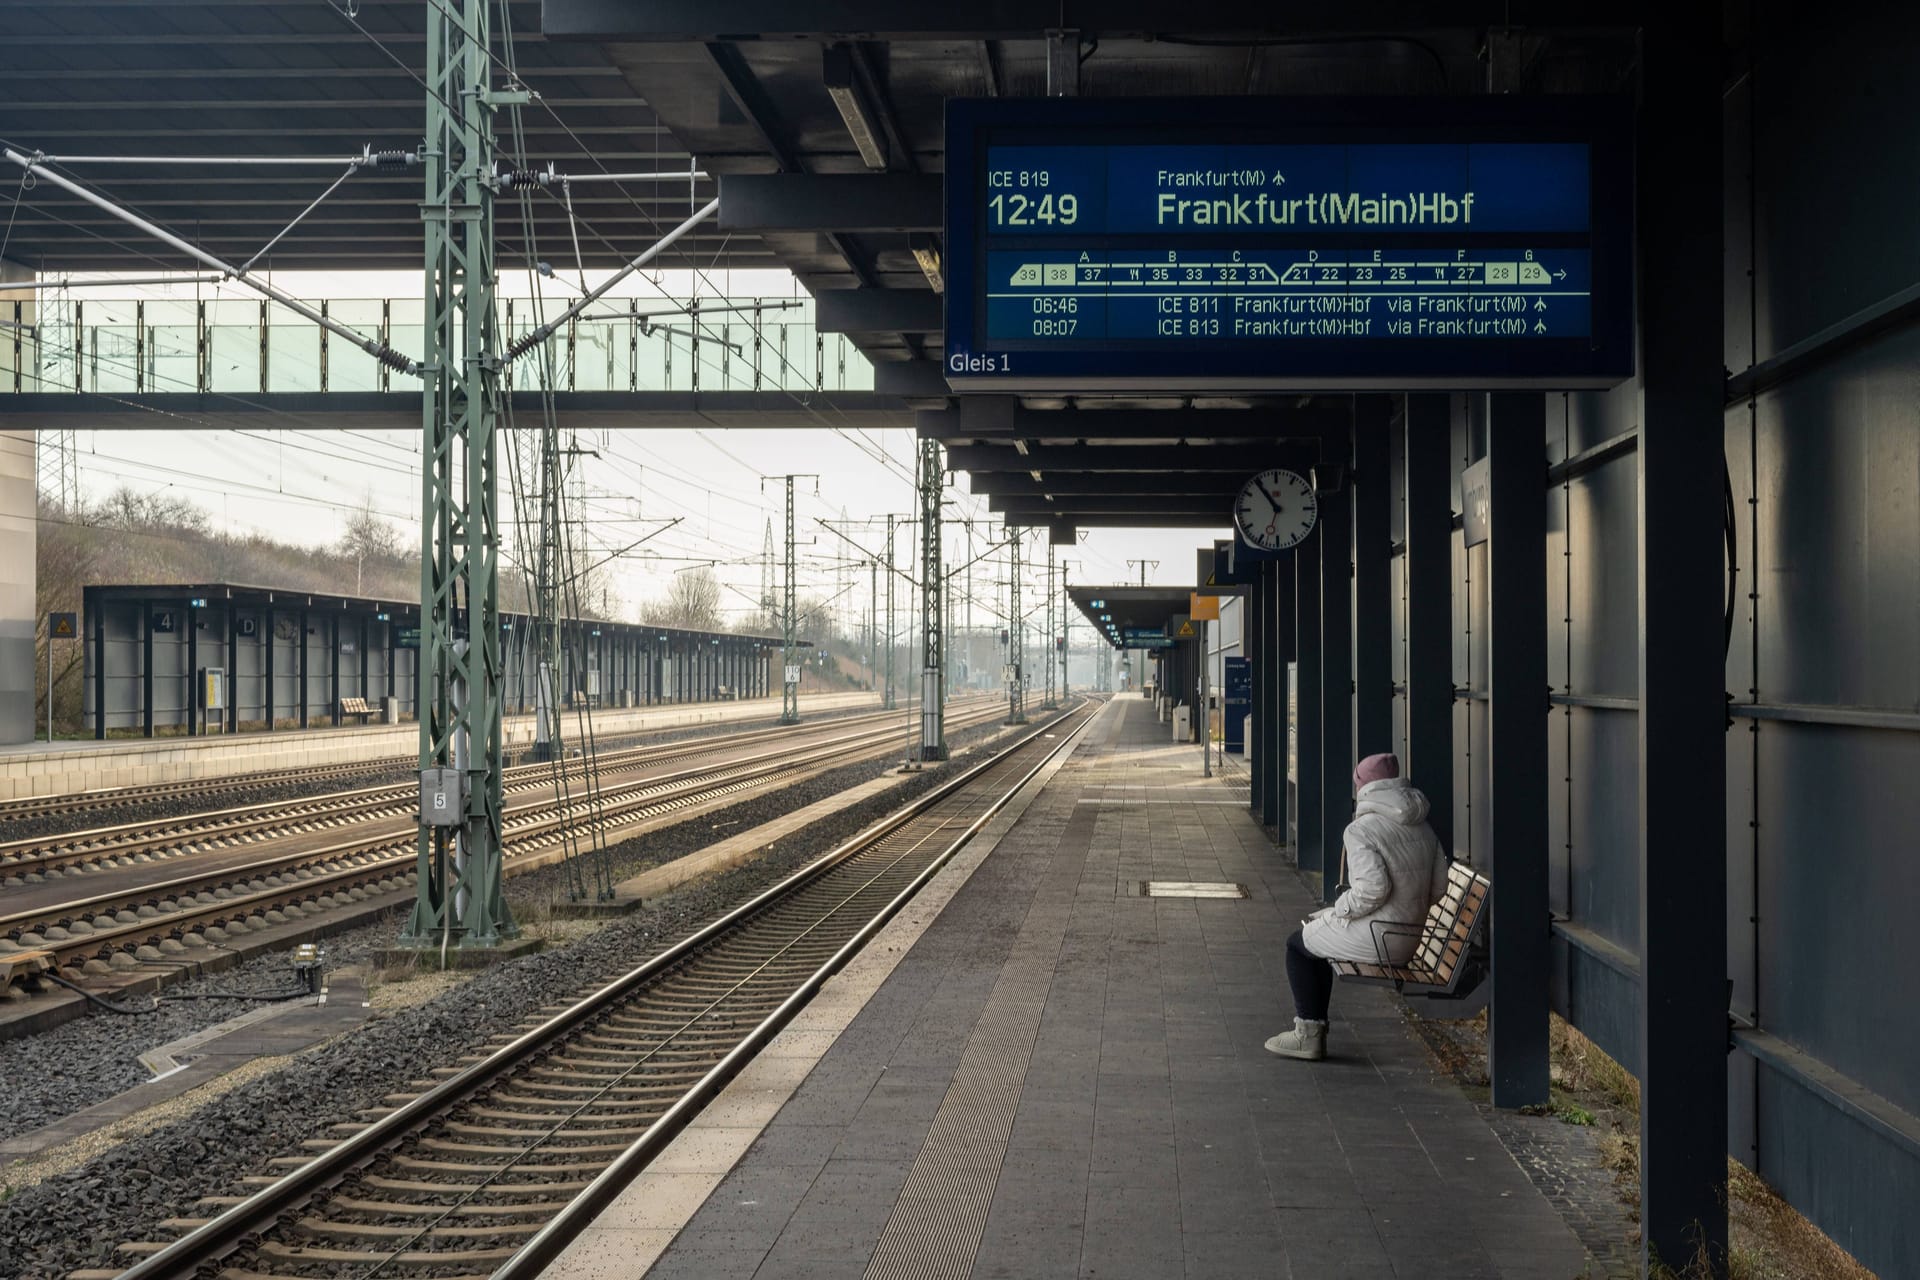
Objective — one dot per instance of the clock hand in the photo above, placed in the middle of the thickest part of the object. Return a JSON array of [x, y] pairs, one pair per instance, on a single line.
[[1267, 494]]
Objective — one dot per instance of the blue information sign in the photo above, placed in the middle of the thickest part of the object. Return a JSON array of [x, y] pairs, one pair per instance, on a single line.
[[1238, 699], [1247, 244]]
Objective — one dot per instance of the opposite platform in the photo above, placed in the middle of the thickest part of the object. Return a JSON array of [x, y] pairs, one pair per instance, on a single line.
[[1063, 1078]]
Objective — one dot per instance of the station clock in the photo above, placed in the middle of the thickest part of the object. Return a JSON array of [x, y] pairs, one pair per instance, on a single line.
[[1275, 510]]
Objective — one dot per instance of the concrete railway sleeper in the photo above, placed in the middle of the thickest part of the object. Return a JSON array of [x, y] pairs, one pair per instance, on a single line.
[[31, 858], [124, 930], [494, 1166]]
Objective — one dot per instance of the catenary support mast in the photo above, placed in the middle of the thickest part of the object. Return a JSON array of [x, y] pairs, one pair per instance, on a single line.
[[933, 591], [459, 899]]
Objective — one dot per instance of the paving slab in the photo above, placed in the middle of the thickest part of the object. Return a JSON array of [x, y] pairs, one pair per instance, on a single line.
[[1063, 1078]]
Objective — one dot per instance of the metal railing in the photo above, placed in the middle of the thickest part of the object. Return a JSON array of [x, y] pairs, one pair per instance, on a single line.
[[247, 347]]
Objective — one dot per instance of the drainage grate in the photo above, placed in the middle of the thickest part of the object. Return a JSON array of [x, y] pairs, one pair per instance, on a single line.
[[1192, 889]]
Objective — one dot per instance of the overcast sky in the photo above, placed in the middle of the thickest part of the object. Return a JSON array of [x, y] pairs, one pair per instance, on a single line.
[[301, 486]]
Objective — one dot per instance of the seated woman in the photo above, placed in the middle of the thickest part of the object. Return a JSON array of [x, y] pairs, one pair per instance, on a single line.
[[1396, 871]]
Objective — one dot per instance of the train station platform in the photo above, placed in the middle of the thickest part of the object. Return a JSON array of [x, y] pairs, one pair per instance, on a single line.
[[1036, 1071], [86, 764]]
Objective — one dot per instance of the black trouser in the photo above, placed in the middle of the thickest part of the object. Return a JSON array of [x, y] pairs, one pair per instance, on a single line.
[[1311, 979]]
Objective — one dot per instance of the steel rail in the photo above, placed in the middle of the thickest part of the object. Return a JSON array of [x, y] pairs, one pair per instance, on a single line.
[[232, 1229], [105, 797], [530, 826], [35, 854]]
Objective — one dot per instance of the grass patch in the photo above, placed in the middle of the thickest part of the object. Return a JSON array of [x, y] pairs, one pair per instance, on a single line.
[[1767, 1238]]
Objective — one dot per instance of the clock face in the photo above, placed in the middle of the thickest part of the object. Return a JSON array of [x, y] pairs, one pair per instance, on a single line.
[[1275, 510]]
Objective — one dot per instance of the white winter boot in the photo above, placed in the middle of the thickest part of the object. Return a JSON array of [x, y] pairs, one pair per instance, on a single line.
[[1307, 1041]]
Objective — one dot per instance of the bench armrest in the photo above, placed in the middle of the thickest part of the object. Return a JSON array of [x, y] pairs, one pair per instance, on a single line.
[[1384, 929]]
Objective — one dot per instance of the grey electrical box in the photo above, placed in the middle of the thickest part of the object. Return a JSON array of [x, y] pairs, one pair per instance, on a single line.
[[442, 797]]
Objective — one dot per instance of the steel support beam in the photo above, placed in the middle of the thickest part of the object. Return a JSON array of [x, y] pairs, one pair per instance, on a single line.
[[878, 311], [1517, 747], [772, 20], [1336, 683], [989, 417], [1112, 520], [1219, 486], [1683, 835], [1308, 796], [1070, 506], [847, 202], [1115, 458], [459, 898], [1429, 623], [910, 379], [1279, 621], [1373, 574], [1256, 642]]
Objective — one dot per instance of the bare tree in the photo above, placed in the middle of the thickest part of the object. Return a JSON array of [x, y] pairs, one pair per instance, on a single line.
[[369, 538], [693, 602]]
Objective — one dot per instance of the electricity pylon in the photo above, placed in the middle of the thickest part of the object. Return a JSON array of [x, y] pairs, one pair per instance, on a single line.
[[459, 899], [1048, 650], [933, 589], [1016, 637]]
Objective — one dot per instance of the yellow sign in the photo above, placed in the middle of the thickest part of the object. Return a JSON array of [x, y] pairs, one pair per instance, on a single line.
[[1186, 631], [63, 625], [1203, 608]]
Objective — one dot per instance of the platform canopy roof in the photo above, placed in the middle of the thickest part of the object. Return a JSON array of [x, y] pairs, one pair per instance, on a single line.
[[754, 91], [1114, 609]]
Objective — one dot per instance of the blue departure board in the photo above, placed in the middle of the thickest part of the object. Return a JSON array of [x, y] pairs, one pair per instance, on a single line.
[[1246, 244]]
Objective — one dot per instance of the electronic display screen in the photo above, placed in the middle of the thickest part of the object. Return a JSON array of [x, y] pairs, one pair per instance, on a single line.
[[1246, 243]]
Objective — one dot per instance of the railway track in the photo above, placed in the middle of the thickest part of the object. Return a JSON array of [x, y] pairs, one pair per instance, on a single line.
[[494, 1168], [126, 927], [103, 800], [28, 859]]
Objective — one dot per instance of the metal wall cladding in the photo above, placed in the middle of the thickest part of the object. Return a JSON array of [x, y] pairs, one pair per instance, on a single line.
[[1858, 1185], [1834, 153], [1839, 877], [1838, 561]]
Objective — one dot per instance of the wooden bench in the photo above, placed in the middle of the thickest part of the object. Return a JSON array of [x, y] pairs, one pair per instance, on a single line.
[[1444, 955], [357, 707]]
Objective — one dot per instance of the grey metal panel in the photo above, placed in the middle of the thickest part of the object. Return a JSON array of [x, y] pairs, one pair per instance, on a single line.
[[1838, 884], [1600, 999], [1603, 871], [1603, 529], [1856, 1185], [1839, 577], [1834, 183]]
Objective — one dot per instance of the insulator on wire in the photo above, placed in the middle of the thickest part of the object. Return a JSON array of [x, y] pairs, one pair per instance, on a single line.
[[525, 178], [399, 362], [393, 159]]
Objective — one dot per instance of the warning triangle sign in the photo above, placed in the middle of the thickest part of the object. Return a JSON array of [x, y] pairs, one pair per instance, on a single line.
[[63, 625], [1186, 630]]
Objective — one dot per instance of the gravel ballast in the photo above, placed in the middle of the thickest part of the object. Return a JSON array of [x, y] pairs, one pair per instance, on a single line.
[[75, 1219]]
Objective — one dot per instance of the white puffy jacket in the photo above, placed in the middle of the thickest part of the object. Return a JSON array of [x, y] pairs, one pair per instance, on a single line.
[[1395, 871]]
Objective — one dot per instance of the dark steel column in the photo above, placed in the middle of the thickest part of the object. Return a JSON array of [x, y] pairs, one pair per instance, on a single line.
[[1429, 570], [1280, 626], [146, 669], [306, 691], [232, 722], [98, 609], [1336, 679], [1373, 574], [392, 658], [1306, 648], [1517, 745], [333, 670], [366, 638], [193, 671], [1683, 836], [266, 640], [1254, 644]]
